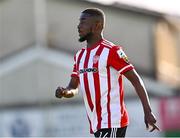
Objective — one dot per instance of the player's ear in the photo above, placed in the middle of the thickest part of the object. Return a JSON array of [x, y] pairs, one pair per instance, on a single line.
[[97, 26]]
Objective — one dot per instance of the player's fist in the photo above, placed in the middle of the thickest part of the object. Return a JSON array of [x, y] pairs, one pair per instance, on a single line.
[[60, 92]]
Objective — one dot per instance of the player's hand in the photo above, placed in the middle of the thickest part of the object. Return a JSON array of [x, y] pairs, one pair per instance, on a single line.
[[150, 121], [60, 92]]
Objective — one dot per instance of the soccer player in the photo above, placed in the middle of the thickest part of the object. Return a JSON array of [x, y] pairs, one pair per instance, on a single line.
[[98, 69]]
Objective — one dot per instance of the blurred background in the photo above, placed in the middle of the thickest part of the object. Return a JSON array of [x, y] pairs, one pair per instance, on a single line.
[[38, 39]]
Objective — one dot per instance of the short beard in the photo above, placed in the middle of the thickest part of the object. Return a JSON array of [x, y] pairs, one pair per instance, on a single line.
[[86, 37]]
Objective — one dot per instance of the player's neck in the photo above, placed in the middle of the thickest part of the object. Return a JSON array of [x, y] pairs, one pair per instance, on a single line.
[[93, 40]]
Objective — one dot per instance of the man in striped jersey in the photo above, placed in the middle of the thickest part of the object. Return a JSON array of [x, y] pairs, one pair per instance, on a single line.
[[98, 69]]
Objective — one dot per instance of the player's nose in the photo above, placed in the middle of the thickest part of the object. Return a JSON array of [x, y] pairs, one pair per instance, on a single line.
[[78, 27]]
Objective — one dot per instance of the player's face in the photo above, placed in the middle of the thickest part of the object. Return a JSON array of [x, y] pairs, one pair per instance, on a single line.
[[85, 27]]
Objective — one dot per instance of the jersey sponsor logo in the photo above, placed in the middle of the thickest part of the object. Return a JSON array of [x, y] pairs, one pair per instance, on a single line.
[[94, 70], [123, 55], [95, 59]]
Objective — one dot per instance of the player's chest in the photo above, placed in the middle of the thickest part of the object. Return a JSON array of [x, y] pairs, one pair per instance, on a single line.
[[92, 63]]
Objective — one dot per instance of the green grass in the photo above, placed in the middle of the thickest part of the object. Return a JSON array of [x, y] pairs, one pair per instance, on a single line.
[[175, 133]]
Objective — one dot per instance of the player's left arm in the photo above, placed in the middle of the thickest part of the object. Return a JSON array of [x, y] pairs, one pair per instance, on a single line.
[[138, 84]]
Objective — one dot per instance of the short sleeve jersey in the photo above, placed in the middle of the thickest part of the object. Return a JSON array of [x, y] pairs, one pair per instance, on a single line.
[[100, 69]]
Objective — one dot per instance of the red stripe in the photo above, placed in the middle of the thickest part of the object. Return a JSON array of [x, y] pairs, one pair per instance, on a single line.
[[108, 97], [78, 61], [86, 86], [97, 89], [79, 58], [76, 65]]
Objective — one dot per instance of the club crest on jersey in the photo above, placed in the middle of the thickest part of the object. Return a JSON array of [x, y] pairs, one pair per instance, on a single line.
[[95, 59], [122, 55]]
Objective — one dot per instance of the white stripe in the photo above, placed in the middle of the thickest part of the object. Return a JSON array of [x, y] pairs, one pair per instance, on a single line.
[[124, 68], [105, 135], [115, 132], [107, 45], [108, 42], [90, 76], [112, 132], [115, 98]]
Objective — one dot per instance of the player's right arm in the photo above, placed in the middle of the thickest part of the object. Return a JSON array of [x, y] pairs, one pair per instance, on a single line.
[[70, 90]]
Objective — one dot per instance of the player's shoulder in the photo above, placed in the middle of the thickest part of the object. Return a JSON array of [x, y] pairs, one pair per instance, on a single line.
[[107, 44], [110, 45]]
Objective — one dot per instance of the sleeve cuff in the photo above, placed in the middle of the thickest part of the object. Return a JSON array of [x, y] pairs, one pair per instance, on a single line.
[[126, 68], [74, 75]]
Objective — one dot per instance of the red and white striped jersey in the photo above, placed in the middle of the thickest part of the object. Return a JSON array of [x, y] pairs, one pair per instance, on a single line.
[[100, 70]]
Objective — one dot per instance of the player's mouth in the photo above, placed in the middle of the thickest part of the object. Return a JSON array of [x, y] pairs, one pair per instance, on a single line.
[[80, 32]]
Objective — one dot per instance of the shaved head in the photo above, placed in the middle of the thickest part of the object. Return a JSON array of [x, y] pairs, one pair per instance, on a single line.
[[95, 13]]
